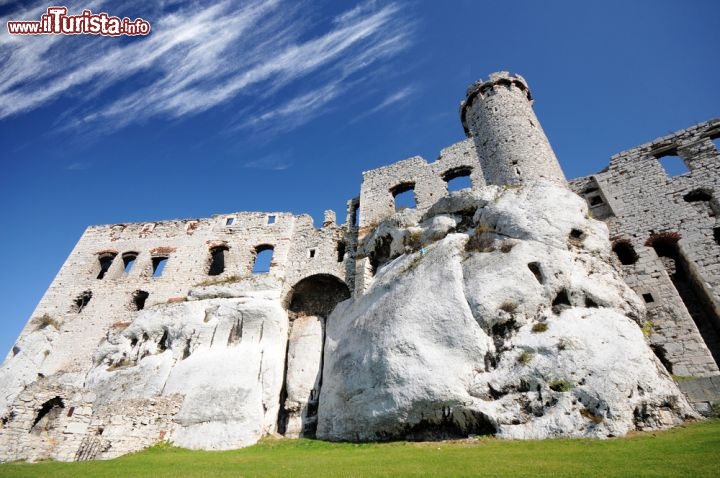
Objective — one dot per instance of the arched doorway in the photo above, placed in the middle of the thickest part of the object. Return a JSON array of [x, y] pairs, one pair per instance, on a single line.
[[310, 302]]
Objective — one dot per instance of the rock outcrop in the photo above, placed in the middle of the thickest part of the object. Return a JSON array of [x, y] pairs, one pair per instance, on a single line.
[[498, 311], [225, 357]]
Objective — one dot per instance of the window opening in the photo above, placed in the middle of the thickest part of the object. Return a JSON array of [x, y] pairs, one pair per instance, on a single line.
[[311, 253], [263, 259], [698, 195], [271, 220], [458, 179], [106, 261], [354, 216], [139, 297], [648, 298], [340, 251], [673, 164], [625, 252], [158, 265], [128, 261], [230, 221], [595, 200], [404, 196], [217, 260], [82, 301]]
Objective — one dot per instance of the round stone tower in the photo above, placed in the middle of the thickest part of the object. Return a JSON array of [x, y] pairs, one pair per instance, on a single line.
[[511, 144]]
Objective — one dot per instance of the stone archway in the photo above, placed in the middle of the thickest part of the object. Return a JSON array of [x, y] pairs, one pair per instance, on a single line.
[[310, 302]]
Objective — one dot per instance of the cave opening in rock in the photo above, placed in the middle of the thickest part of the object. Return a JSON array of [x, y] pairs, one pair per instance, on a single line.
[[48, 414], [310, 302]]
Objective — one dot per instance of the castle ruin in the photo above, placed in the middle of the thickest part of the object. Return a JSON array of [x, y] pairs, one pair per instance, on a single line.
[[664, 232]]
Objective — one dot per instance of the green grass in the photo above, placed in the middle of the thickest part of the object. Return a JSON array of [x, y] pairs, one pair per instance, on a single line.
[[687, 451]]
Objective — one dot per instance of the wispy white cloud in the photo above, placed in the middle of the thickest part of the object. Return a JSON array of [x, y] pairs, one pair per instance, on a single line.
[[390, 100], [274, 162], [266, 57]]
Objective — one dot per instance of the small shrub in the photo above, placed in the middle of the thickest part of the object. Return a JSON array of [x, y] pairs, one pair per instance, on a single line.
[[525, 357], [45, 321], [560, 385], [715, 409], [596, 419], [539, 327], [647, 328], [413, 240], [509, 306], [506, 246], [563, 344], [221, 280], [482, 240]]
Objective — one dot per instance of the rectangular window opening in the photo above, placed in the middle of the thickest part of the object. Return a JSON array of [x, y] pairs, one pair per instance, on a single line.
[[158, 264], [673, 164], [311, 253], [271, 220], [404, 196], [230, 221], [595, 200], [340, 251], [648, 298]]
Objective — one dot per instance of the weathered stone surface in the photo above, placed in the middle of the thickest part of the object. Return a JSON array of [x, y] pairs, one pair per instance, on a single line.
[[463, 337], [443, 333], [226, 357]]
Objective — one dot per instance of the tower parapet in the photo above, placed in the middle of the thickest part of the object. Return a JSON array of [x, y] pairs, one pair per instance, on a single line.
[[511, 144]]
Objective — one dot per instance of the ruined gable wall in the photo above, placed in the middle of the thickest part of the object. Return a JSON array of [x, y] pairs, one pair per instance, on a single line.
[[376, 192], [639, 200]]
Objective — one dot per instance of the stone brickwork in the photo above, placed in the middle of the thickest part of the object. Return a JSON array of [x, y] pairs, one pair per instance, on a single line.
[[666, 240]]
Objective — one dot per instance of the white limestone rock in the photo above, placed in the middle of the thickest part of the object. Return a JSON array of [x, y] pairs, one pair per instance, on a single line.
[[25, 361], [302, 381], [225, 356], [516, 325]]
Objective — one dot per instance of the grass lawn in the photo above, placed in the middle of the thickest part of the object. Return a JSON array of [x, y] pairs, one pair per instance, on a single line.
[[689, 451]]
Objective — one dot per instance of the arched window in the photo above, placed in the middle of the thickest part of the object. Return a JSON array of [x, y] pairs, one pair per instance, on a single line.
[[263, 259], [106, 260], [129, 259], [158, 265]]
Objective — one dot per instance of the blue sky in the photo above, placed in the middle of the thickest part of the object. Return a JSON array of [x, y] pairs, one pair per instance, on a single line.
[[279, 105]]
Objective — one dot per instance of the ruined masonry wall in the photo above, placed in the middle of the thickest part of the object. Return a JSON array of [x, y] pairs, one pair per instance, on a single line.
[[187, 245], [638, 200], [376, 193]]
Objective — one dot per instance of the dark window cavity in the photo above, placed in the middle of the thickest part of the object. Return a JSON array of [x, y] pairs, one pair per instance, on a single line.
[[82, 301], [129, 259], [340, 251], [158, 265], [625, 252], [311, 253], [139, 297], [106, 260], [697, 195], [404, 196], [217, 260], [230, 221], [263, 259], [648, 298], [595, 200]]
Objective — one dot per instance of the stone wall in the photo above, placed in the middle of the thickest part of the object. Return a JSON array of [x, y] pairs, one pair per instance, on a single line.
[[665, 228]]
